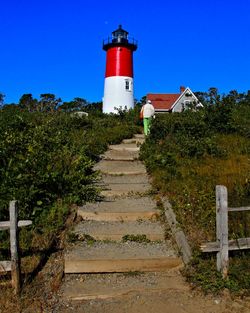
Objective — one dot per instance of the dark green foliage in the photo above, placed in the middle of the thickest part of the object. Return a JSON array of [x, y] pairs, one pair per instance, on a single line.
[[177, 136], [42, 160], [47, 158], [240, 119]]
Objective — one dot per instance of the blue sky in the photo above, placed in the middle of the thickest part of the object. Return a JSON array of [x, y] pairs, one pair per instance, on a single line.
[[56, 46]]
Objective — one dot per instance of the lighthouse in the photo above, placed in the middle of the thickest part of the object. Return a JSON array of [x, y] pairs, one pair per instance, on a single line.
[[118, 85]]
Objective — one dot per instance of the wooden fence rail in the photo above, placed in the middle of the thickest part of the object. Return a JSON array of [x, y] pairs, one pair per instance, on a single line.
[[14, 264], [223, 245]]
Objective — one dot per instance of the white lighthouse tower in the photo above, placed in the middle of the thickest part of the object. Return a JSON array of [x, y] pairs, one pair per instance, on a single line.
[[118, 85]]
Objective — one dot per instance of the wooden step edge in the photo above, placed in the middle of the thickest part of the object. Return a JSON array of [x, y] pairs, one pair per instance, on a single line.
[[117, 216], [136, 141], [123, 292], [139, 136], [107, 158], [127, 149], [123, 173], [115, 194], [121, 265]]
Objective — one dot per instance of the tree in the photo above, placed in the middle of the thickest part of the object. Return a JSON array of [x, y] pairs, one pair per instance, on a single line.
[[80, 103], [67, 106], [27, 102], [77, 104], [202, 97], [233, 97], [208, 98], [2, 96], [213, 95], [94, 107], [142, 101], [48, 102]]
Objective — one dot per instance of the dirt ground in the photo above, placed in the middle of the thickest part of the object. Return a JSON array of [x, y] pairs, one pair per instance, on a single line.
[[171, 302], [44, 294]]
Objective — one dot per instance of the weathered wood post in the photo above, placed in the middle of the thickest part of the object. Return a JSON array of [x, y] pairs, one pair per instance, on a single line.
[[222, 229], [15, 261]]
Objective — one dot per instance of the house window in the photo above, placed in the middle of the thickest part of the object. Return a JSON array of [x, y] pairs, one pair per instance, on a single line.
[[128, 85], [188, 104]]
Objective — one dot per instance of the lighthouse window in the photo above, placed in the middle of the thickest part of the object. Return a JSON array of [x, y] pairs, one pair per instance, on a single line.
[[127, 85]]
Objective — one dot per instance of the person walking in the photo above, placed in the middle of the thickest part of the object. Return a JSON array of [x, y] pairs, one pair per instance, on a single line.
[[147, 112]]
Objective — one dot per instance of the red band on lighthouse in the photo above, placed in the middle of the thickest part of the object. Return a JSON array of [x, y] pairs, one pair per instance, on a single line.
[[119, 62]]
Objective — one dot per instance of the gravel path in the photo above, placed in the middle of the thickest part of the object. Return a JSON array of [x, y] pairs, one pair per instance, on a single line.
[[121, 167], [127, 204], [117, 230], [120, 250]]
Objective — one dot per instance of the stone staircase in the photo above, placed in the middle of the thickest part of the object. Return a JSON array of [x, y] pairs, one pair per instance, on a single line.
[[122, 233]]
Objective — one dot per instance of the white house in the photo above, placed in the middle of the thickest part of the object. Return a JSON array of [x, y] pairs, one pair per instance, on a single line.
[[174, 102]]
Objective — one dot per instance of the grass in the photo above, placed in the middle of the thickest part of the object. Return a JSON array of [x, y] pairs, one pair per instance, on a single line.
[[136, 238], [186, 167], [202, 273], [193, 193], [75, 238]]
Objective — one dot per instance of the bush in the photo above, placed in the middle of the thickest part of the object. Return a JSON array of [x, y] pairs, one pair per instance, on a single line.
[[49, 157]]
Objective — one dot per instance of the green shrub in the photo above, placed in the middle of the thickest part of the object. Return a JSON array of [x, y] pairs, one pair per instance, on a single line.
[[49, 157]]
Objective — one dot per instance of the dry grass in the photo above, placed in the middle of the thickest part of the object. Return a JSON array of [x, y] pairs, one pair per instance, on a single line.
[[192, 193]]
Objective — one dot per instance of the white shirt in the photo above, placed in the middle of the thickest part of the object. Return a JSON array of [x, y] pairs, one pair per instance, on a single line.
[[148, 110]]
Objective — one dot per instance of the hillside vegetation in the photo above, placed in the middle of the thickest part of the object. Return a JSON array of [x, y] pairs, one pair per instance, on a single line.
[[189, 154], [46, 163], [47, 156]]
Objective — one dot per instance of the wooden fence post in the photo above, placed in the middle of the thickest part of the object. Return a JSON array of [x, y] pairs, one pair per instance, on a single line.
[[15, 261], [222, 229]]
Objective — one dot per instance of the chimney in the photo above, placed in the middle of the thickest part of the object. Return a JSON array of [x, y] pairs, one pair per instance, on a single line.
[[182, 89]]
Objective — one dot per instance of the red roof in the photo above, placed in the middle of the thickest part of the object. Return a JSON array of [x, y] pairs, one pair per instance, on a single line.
[[163, 101]]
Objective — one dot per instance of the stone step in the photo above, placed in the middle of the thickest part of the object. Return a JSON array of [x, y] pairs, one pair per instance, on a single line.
[[123, 185], [117, 230], [121, 209], [101, 257], [121, 167], [113, 155], [132, 147], [106, 286]]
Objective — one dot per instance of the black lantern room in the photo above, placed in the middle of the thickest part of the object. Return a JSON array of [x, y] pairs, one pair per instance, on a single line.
[[120, 38]]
